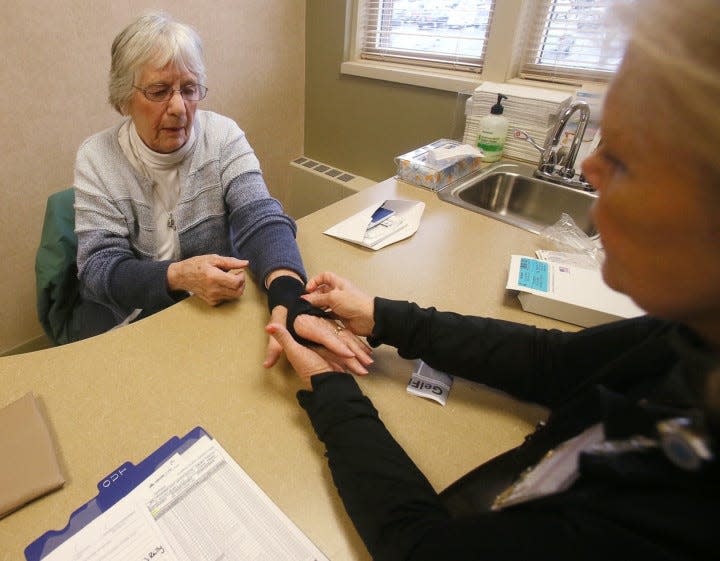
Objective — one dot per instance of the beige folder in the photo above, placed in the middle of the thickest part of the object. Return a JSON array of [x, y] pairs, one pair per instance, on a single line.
[[29, 466]]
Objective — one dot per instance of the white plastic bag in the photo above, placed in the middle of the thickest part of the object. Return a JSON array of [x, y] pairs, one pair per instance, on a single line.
[[575, 246]]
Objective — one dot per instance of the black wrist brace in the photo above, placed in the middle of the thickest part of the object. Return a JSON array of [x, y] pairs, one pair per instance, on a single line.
[[286, 291]]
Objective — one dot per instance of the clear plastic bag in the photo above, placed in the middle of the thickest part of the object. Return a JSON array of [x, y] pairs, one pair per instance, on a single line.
[[574, 246]]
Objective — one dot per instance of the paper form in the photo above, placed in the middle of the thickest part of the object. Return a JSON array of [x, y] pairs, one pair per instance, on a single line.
[[198, 506], [122, 533]]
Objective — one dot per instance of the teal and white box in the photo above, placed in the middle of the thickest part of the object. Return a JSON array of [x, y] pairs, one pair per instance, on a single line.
[[567, 292]]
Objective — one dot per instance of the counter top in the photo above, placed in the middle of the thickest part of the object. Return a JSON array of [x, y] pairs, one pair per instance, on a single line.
[[118, 396]]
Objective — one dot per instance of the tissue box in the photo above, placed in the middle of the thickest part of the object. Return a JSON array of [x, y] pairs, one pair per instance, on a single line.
[[567, 292], [417, 167]]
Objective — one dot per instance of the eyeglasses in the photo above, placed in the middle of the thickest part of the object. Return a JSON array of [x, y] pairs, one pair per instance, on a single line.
[[162, 92]]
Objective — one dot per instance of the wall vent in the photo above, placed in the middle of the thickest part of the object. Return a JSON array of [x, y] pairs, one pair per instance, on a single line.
[[314, 185]]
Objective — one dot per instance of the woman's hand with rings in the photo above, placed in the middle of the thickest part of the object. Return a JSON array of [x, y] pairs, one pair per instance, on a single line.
[[337, 345], [335, 340], [306, 362], [346, 302]]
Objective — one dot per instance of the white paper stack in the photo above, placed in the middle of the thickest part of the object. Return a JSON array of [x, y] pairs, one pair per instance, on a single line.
[[534, 110]]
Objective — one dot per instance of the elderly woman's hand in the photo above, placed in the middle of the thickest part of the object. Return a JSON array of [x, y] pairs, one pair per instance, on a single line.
[[306, 362], [335, 344], [213, 278]]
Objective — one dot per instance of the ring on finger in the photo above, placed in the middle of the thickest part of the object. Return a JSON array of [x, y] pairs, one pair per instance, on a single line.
[[338, 329]]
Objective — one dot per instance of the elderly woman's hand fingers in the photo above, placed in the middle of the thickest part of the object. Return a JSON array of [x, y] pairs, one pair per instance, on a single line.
[[274, 350], [306, 362], [284, 339], [278, 315], [230, 264], [206, 277], [272, 353], [215, 293], [220, 286], [230, 280]]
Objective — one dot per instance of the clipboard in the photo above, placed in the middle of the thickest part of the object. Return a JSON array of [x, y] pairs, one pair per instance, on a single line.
[[111, 489], [130, 484]]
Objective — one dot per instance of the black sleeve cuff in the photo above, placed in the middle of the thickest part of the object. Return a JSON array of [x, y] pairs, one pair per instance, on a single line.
[[336, 397], [390, 317], [328, 388]]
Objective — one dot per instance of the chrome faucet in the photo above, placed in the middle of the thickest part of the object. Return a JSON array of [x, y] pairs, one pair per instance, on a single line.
[[558, 165]]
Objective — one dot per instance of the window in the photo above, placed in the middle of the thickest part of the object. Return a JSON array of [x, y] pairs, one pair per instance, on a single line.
[[566, 41], [443, 34], [572, 39]]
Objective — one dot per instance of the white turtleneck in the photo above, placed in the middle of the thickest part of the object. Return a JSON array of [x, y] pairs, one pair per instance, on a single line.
[[164, 171]]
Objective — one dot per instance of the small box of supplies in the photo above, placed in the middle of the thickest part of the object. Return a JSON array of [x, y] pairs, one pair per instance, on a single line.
[[438, 164], [567, 292]]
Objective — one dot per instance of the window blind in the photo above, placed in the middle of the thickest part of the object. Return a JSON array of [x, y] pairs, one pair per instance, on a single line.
[[571, 40], [447, 34]]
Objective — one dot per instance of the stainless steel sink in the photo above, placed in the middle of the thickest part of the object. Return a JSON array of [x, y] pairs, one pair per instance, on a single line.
[[509, 192]]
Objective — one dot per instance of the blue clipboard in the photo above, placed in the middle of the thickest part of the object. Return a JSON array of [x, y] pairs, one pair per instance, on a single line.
[[110, 490]]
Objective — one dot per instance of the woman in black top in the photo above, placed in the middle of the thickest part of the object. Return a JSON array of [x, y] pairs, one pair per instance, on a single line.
[[635, 404]]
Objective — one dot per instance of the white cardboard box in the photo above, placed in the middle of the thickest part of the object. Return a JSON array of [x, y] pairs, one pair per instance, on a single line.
[[567, 292]]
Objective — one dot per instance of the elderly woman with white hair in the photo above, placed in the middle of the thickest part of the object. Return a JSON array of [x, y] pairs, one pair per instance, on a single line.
[[627, 464], [172, 201]]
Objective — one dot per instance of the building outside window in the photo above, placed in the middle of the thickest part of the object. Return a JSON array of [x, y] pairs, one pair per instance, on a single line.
[[563, 41]]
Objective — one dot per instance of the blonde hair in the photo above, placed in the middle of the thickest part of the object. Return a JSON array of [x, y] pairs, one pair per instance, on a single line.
[[675, 46], [152, 38]]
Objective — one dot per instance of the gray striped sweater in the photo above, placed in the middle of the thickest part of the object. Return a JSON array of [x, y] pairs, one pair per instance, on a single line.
[[224, 208]]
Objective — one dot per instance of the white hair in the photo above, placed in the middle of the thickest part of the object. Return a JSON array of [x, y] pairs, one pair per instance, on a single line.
[[675, 47], [152, 38]]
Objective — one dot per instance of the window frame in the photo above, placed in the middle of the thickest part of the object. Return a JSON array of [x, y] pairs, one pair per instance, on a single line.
[[501, 64]]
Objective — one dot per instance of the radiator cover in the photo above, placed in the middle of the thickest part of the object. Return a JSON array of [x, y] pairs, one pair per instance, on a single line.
[[314, 185]]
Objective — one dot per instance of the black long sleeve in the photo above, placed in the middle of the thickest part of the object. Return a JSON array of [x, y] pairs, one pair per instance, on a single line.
[[541, 365], [636, 505], [389, 500], [636, 508]]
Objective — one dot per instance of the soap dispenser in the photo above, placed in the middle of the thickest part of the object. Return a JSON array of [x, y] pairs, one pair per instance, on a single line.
[[493, 130]]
